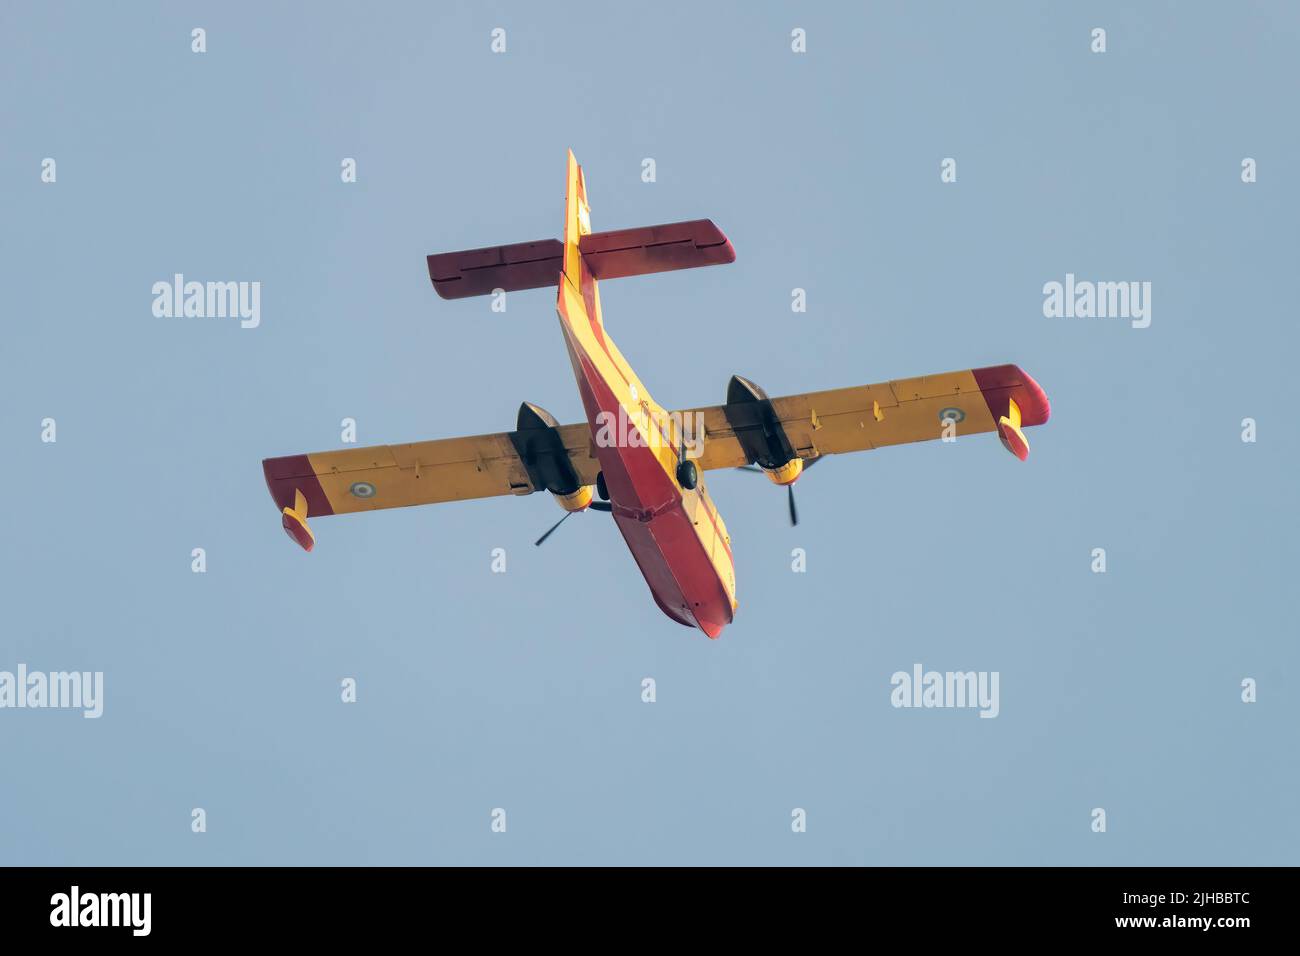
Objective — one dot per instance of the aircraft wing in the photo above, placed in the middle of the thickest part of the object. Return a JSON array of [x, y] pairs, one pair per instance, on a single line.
[[750, 428], [421, 473], [1002, 398]]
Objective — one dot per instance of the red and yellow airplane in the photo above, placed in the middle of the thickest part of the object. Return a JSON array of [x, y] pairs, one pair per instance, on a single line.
[[632, 458]]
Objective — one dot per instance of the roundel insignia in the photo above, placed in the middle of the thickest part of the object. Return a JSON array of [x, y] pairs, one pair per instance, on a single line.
[[362, 489], [952, 414]]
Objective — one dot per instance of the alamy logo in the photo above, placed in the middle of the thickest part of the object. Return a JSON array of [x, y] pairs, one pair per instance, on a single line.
[[102, 909], [922, 688], [209, 300], [1098, 300], [61, 689], [645, 428]]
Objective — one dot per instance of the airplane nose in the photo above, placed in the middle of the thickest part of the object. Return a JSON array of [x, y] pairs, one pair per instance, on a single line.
[[712, 617]]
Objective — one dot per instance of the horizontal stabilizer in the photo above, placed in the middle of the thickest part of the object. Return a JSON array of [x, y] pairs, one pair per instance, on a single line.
[[646, 249], [524, 265], [609, 255]]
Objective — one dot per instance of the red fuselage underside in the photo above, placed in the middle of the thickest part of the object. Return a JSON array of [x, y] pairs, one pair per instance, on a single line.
[[649, 512]]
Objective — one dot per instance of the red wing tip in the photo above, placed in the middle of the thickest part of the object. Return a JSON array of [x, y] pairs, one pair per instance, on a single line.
[[1040, 408], [269, 473], [281, 475], [293, 473], [1035, 409]]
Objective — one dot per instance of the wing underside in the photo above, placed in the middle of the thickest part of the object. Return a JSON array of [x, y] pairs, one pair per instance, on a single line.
[[889, 413], [1001, 399], [420, 473]]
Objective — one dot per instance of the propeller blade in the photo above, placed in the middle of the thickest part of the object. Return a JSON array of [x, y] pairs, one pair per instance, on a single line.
[[538, 542], [599, 506], [794, 512]]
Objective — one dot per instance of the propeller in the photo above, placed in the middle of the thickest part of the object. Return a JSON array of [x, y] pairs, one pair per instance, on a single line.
[[794, 512], [594, 506]]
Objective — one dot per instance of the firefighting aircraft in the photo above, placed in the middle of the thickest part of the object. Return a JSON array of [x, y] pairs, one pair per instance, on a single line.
[[631, 458]]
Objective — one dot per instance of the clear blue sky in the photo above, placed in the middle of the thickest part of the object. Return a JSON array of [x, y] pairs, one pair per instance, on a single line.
[[522, 690]]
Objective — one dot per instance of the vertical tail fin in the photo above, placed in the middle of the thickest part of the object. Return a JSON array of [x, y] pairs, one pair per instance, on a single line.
[[577, 221]]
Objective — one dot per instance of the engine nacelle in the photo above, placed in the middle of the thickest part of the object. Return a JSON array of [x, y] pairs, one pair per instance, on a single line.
[[785, 474], [751, 416], [541, 450], [579, 500]]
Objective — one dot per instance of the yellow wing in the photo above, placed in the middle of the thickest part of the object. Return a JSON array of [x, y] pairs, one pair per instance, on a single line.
[[752, 428], [547, 457]]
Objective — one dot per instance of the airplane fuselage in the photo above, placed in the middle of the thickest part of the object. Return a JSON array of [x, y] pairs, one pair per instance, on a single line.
[[675, 533]]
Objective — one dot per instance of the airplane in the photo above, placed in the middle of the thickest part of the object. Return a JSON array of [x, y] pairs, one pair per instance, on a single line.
[[633, 459]]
